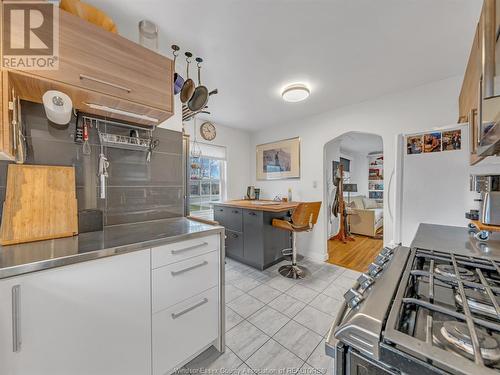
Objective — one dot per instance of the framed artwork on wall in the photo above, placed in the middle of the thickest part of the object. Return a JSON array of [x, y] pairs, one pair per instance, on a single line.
[[278, 160]]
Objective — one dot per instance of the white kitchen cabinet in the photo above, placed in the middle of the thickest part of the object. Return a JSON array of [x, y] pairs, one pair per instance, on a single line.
[[184, 330], [173, 283], [91, 318], [188, 301]]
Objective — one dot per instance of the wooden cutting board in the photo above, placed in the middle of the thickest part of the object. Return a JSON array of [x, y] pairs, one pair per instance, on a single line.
[[40, 204]]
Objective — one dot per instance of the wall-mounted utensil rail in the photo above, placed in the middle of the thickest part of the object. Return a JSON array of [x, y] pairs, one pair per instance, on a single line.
[[123, 141]]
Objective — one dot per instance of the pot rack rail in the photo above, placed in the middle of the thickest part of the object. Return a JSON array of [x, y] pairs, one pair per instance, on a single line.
[[187, 114]]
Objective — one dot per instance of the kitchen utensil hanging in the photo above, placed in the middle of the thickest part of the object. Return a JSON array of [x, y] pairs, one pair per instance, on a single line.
[[86, 145], [195, 147], [19, 140], [189, 86], [178, 80], [199, 99]]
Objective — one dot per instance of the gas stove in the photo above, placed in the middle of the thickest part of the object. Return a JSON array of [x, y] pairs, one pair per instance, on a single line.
[[408, 315], [430, 321]]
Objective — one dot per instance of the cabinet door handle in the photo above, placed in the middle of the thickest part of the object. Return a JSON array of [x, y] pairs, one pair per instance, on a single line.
[[252, 213], [236, 212], [180, 313], [189, 248], [16, 318], [89, 78], [175, 273]]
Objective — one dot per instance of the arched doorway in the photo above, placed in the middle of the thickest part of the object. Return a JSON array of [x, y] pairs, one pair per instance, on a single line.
[[354, 233]]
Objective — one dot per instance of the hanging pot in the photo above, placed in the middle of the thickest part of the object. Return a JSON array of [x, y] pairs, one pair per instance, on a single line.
[[178, 80], [189, 85], [200, 96]]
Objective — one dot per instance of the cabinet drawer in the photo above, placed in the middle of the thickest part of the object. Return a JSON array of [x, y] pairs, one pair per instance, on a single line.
[[179, 281], [234, 243], [183, 330], [234, 219], [220, 215], [252, 217], [175, 252], [95, 59]]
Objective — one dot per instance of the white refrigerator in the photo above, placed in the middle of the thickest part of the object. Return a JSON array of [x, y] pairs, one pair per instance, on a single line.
[[431, 187]]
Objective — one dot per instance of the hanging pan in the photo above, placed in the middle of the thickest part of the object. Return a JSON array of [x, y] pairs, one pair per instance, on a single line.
[[189, 85], [200, 97], [178, 80]]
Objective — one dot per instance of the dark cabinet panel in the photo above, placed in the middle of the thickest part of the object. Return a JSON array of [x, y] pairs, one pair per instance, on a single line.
[[275, 240], [252, 234], [234, 244], [220, 215], [233, 219]]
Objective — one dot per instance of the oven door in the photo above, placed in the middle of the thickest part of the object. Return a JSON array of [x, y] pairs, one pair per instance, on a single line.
[[356, 364]]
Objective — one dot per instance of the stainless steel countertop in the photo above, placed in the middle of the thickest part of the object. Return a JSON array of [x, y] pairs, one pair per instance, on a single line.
[[113, 240], [457, 240]]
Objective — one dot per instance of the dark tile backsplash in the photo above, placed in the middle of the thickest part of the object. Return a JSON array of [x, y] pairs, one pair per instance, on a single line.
[[136, 190]]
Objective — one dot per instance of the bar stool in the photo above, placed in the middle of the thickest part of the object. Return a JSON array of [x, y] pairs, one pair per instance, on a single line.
[[303, 219]]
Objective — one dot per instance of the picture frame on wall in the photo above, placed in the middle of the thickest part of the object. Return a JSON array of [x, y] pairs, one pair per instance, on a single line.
[[278, 160]]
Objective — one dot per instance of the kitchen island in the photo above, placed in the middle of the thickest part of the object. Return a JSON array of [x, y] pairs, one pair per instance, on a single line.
[[132, 299], [250, 236]]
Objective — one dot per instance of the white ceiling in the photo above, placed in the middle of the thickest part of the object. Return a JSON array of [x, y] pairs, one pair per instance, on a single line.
[[348, 51], [361, 143]]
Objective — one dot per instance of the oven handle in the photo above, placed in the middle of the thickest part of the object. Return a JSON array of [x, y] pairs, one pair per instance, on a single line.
[[331, 341]]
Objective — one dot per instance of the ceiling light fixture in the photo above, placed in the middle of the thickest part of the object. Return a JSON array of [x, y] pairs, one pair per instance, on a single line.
[[295, 93]]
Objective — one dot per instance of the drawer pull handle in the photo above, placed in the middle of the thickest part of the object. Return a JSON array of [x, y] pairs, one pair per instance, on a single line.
[[189, 248], [252, 213], [84, 76], [16, 318], [180, 313], [175, 273]]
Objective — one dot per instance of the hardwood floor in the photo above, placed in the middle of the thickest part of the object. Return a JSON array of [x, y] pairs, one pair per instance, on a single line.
[[356, 255]]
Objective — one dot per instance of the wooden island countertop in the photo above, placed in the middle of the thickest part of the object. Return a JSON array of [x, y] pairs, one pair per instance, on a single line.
[[260, 205]]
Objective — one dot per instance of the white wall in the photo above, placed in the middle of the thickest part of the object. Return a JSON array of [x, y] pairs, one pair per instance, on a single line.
[[420, 108], [237, 144]]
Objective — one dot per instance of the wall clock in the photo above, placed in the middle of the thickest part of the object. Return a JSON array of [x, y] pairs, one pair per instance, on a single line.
[[207, 131]]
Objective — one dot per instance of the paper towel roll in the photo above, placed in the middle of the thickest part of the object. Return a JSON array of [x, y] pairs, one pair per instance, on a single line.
[[58, 107]]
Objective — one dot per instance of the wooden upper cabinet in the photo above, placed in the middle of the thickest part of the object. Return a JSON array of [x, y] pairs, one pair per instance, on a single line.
[[94, 59], [469, 94], [478, 76]]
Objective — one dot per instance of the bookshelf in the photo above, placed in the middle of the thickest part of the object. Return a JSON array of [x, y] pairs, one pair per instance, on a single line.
[[376, 177]]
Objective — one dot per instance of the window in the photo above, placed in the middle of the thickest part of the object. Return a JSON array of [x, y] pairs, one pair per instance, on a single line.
[[206, 185]]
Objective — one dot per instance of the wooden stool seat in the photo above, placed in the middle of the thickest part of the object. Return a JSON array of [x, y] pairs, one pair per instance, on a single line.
[[303, 219]]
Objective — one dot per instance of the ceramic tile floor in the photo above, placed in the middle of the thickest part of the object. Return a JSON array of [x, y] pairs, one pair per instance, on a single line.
[[276, 325]]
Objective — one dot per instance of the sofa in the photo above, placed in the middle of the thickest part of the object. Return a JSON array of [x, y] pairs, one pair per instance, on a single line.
[[366, 216]]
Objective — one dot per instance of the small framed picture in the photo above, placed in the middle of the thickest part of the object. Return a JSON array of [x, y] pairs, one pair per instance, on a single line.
[[432, 142], [414, 144], [452, 140]]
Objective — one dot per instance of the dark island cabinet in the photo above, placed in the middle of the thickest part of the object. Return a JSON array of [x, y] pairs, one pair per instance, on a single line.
[[250, 236]]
